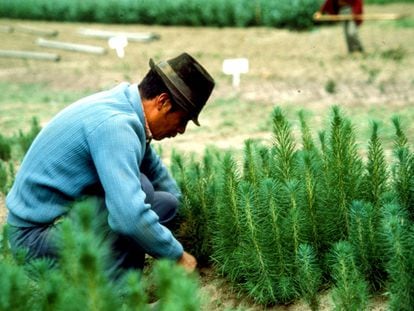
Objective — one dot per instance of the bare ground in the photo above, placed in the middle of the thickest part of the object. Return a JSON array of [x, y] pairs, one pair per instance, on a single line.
[[289, 69]]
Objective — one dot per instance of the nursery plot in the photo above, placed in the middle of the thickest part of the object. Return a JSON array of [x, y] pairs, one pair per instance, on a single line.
[[293, 70]]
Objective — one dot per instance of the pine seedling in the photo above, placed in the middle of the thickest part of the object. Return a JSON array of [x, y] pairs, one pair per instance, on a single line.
[[84, 258], [275, 240], [311, 182], [5, 148], [50, 290], [252, 166], [376, 176], [133, 292], [296, 223], [5, 251], [364, 239], [403, 170], [25, 139], [309, 277], [313, 207], [3, 177], [271, 227], [176, 289], [253, 260], [284, 147], [307, 140], [398, 242], [351, 290], [195, 214], [344, 171], [227, 219], [15, 293]]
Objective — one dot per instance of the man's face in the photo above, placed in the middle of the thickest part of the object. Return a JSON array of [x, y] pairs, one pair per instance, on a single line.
[[169, 123]]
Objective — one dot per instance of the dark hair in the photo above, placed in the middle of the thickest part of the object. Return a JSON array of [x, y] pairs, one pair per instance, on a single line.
[[152, 85]]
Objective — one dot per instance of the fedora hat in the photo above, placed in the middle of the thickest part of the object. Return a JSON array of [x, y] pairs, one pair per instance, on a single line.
[[188, 82]]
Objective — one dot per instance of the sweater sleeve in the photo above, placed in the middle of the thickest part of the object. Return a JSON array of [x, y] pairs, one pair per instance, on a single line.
[[159, 175], [116, 150]]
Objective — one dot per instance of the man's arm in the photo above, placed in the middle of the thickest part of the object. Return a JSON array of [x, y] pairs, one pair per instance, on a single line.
[[116, 150]]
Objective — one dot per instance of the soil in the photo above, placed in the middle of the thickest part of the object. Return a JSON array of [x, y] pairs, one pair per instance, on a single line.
[[286, 68]]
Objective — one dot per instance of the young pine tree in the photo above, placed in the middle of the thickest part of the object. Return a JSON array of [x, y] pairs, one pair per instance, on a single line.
[[285, 156], [309, 276], [398, 242], [196, 181], [376, 176], [227, 222], [403, 170], [343, 176], [364, 228], [253, 258], [176, 289], [350, 292]]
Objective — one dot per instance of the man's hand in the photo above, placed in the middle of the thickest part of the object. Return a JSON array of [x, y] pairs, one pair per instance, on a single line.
[[187, 261], [317, 15]]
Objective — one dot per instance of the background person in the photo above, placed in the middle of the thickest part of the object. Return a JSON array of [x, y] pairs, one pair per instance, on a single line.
[[346, 7], [100, 147]]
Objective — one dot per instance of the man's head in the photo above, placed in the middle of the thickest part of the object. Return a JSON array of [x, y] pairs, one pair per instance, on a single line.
[[181, 84]]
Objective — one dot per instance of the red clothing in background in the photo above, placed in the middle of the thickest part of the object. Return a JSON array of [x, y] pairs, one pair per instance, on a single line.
[[333, 6]]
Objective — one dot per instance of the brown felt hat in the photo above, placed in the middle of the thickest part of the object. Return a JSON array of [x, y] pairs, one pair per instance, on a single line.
[[188, 82]]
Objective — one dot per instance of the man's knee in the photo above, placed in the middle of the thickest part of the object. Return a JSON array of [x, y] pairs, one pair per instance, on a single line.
[[165, 205]]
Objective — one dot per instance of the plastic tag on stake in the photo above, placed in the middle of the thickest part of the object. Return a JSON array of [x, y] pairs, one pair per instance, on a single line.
[[118, 43], [235, 67]]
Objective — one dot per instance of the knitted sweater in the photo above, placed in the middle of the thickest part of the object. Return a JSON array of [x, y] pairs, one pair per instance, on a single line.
[[95, 146]]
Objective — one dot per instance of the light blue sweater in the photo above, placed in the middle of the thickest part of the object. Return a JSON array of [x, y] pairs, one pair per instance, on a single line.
[[99, 143]]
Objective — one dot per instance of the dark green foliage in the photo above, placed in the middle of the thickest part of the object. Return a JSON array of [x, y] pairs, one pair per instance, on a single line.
[[285, 156], [403, 170], [330, 86], [198, 189], [175, 288], [227, 220], [15, 287], [278, 212], [253, 256], [221, 13], [309, 275], [80, 279], [3, 177], [5, 148], [26, 139], [365, 241], [343, 175], [376, 176], [398, 236], [351, 291]]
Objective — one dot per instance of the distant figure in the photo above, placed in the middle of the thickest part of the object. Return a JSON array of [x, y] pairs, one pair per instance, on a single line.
[[346, 7]]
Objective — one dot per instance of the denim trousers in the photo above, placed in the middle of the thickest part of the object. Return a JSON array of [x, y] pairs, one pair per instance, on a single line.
[[39, 241]]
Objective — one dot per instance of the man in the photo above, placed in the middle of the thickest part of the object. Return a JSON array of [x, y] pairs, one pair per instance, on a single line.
[[100, 146], [346, 7]]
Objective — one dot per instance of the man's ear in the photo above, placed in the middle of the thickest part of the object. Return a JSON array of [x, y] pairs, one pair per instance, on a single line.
[[164, 101]]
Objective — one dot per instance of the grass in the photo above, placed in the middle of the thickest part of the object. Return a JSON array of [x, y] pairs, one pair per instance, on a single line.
[[20, 102]]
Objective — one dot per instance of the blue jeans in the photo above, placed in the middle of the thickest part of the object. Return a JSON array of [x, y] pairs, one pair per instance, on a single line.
[[128, 254]]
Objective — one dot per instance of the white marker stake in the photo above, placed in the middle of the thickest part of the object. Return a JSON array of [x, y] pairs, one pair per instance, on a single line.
[[118, 43], [235, 67]]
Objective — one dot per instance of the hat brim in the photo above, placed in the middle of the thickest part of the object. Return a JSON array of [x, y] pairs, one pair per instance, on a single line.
[[179, 97]]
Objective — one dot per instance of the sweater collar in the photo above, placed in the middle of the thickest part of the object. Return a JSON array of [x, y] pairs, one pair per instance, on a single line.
[[135, 99]]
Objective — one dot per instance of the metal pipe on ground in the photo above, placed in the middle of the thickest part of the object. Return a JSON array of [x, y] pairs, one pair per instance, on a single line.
[[36, 31], [74, 47], [131, 36], [29, 55]]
